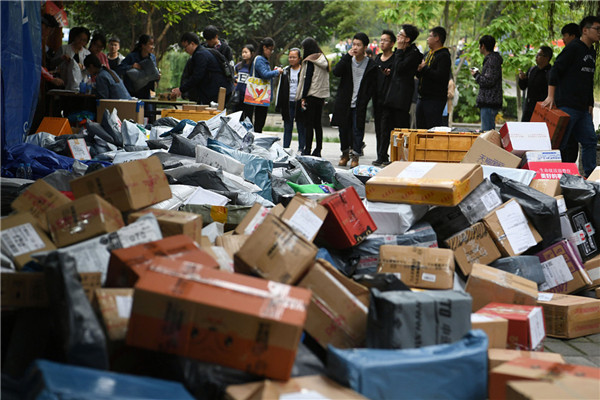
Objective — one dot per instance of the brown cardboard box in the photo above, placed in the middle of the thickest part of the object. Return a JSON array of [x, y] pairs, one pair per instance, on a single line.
[[255, 217], [495, 327], [484, 152], [570, 316], [521, 234], [313, 386], [304, 216], [129, 186], [563, 270], [439, 184], [214, 316], [592, 267], [487, 284], [500, 356], [115, 308], [335, 316], [275, 252], [556, 120], [492, 136], [359, 291], [420, 267], [37, 199], [173, 222], [595, 175], [473, 245], [551, 187], [126, 109], [563, 388], [21, 236], [231, 243], [28, 289], [82, 219]]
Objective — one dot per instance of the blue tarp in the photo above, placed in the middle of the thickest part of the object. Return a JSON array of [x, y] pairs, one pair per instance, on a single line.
[[21, 67]]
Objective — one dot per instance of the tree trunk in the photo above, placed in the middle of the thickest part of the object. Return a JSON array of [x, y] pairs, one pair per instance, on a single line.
[[519, 100]]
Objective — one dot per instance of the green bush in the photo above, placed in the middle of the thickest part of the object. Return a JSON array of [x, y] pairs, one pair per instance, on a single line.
[[171, 67]]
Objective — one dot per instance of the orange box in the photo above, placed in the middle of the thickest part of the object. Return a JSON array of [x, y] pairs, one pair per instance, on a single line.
[[533, 370], [526, 330], [56, 126], [557, 121], [230, 319]]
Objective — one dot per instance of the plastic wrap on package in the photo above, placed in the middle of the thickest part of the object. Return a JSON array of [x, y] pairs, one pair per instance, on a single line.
[[229, 137], [318, 168], [249, 199], [384, 282], [100, 146], [579, 192], [524, 176], [84, 343], [125, 156], [427, 373], [211, 180], [207, 197], [166, 121], [260, 152], [172, 162], [133, 134], [231, 216], [42, 139], [180, 193], [95, 130], [539, 208], [112, 125], [280, 189], [201, 129], [394, 218], [159, 144], [213, 230], [528, 267], [132, 148], [343, 179], [184, 146], [295, 173], [265, 141], [218, 160], [406, 320], [60, 179], [182, 126], [158, 132]]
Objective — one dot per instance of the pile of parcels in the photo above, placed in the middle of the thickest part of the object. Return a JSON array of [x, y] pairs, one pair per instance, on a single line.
[[429, 280]]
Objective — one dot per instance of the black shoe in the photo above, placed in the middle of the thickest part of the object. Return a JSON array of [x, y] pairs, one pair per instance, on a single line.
[[377, 163], [316, 153], [362, 152], [385, 163]]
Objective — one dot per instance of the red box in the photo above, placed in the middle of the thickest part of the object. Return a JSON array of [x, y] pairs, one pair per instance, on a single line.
[[555, 119], [348, 222], [551, 170], [526, 329]]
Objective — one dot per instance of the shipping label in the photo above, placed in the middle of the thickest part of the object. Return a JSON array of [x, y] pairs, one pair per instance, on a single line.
[[556, 272], [515, 227], [21, 239]]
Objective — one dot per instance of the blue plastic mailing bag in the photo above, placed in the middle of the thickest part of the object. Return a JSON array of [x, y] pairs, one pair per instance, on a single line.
[[446, 371], [52, 381]]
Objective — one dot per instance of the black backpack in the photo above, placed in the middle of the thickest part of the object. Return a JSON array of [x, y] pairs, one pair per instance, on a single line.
[[226, 67]]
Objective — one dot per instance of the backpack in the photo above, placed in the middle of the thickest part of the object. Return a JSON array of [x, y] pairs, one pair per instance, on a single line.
[[226, 67]]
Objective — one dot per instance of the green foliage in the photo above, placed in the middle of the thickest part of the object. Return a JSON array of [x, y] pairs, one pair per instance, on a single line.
[[466, 110], [171, 66]]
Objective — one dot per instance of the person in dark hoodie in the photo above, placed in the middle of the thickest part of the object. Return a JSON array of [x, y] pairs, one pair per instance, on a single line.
[[434, 74], [536, 81], [489, 99], [571, 88], [211, 35], [357, 86]]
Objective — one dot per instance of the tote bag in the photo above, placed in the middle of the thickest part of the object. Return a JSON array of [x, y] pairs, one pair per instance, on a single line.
[[258, 91]]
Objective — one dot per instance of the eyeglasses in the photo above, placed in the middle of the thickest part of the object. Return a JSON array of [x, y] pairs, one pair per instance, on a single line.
[[597, 28]]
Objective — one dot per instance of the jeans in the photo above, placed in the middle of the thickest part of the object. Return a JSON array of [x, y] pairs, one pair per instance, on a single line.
[[429, 113], [488, 118], [581, 127], [312, 121], [288, 126], [351, 135]]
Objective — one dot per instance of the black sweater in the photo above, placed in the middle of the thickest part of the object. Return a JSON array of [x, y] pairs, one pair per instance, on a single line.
[[434, 77]]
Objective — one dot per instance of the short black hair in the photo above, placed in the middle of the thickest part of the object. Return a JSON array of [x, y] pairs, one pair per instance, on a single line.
[[49, 21], [99, 36], [114, 39], [546, 51], [571, 29], [189, 37], [440, 32], [488, 42], [91, 59], [210, 32], [411, 31], [390, 34], [362, 37], [76, 31], [588, 22], [369, 51]]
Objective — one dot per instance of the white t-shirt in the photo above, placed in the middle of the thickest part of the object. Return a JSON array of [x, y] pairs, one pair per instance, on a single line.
[[358, 71], [294, 74]]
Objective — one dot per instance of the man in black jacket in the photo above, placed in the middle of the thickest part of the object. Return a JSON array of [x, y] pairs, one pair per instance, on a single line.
[[571, 88], [211, 35], [357, 86], [489, 98], [536, 81], [203, 75], [434, 74]]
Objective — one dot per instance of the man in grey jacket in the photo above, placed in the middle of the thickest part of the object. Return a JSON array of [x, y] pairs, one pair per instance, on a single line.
[[489, 99]]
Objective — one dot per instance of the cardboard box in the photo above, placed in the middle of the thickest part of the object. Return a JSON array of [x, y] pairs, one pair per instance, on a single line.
[[115, 309], [234, 320], [487, 284], [570, 316], [439, 184], [520, 137], [231, 243], [564, 388], [361, 292], [173, 222], [418, 267], [129, 186], [335, 315], [255, 217], [551, 187], [348, 222], [21, 236], [595, 175], [313, 387], [28, 289], [484, 152], [563, 270], [582, 232], [495, 327], [556, 120], [275, 252], [84, 218], [305, 216], [534, 370], [542, 156], [510, 229], [525, 324], [126, 109], [500, 356], [551, 170], [473, 245], [37, 199], [592, 268]]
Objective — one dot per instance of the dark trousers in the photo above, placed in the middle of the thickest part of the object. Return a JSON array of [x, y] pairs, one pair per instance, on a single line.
[[429, 113], [288, 127], [260, 116], [351, 135], [312, 122], [386, 120]]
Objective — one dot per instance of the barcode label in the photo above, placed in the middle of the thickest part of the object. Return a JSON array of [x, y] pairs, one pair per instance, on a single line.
[[428, 277], [21, 239], [491, 200]]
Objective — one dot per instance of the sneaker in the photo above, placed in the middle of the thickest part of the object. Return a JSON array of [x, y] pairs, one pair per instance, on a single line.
[[377, 163]]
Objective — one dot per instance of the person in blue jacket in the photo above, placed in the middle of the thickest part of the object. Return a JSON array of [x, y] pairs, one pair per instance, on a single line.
[[144, 48], [261, 69], [108, 83]]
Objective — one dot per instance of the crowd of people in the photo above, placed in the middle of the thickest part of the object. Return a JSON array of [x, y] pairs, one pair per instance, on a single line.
[[391, 77]]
